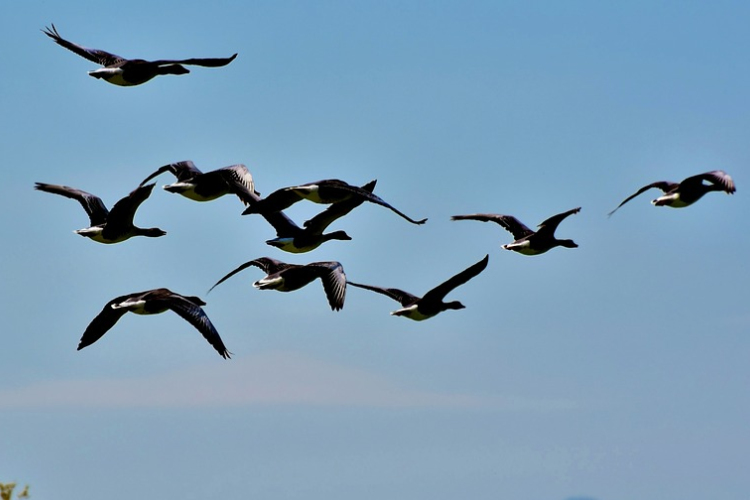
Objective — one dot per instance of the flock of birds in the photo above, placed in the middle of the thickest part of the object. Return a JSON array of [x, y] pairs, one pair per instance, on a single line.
[[116, 225]]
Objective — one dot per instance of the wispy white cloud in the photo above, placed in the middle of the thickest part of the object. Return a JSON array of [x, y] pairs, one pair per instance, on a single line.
[[269, 379]]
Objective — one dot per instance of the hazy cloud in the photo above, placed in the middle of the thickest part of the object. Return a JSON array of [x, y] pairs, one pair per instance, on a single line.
[[269, 379]]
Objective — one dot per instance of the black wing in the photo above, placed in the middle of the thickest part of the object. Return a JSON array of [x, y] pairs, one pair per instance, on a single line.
[[442, 290], [400, 296], [549, 225], [240, 182], [275, 202], [267, 264], [665, 186], [183, 170], [211, 62], [373, 198], [508, 222], [320, 222], [195, 315], [123, 211], [717, 177], [105, 320], [334, 282], [93, 55], [92, 204]]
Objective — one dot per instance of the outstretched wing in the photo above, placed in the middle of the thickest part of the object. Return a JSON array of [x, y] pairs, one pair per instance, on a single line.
[[195, 315], [123, 211], [92, 204], [508, 222], [373, 198], [183, 170], [240, 182], [277, 201], [549, 225], [105, 320], [400, 296], [94, 55], [665, 186], [334, 282], [716, 177], [320, 222], [440, 291], [213, 62], [267, 264]]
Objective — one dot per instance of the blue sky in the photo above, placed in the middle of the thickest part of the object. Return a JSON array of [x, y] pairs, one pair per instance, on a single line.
[[616, 370]]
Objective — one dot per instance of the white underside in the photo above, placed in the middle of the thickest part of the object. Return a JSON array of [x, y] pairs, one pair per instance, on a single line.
[[95, 233], [310, 193], [523, 248], [670, 200], [287, 245], [187, 190], [112, 75], [411, 312], [135, 306]]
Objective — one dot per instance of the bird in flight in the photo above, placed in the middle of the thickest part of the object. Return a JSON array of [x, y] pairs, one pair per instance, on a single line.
[[326, 192], [129, 72], [285, 277], [687, 192], [527, 242], [154, 302], [431, 304], [108, 226]]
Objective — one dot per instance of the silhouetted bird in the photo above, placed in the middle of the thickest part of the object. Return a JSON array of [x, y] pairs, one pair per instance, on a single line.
[[128, 72], [196, 185], [687, 192], [325, 192], [527, 242], [108, 226], [294, 239], [285, 277], [431, 303], [154, 302]]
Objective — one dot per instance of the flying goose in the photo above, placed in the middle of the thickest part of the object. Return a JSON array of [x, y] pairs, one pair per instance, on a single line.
[[154, 302], [687, 192], [289, 277], [196, 185], [326, 191], [431, 303], [111, 226], [128, 72], [527, 241], [294, 239]]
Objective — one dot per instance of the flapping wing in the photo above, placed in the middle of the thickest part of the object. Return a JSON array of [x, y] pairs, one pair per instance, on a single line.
[[124, 210], [195, 315], [101, 324], [92, 204], [183, 170], [508, 222], [444, 288], [240, 182], [373, 198], [320, 222], [717, 177], [665, 186], [551, 224], [277, 201], [267, 264], [400, 296], [98, 56], [334, 282], [213, 62]]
